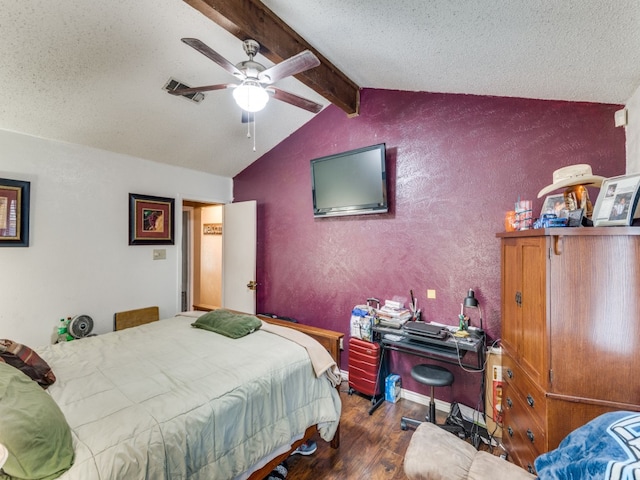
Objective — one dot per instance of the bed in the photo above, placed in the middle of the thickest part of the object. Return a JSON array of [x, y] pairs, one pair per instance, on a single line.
[[165, 400]]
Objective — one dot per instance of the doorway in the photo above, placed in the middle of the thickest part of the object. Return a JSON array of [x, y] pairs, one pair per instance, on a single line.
[[201, 255]]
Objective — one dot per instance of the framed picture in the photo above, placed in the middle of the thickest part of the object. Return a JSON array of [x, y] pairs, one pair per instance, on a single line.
[[574, 217], [212, 229], [553, 204], [151, 220], [14, 213], [617, 201]]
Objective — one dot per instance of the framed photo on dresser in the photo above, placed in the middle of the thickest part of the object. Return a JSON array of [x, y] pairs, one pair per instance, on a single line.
[[617, 201], [554, 204]]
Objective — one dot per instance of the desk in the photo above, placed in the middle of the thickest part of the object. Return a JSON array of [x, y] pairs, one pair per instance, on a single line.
[[467, 353]]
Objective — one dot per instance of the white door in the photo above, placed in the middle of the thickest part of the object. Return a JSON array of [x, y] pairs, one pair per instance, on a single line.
[[239, 239]]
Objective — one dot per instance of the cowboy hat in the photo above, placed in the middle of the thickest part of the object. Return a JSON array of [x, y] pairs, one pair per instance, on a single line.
[[572, 175]]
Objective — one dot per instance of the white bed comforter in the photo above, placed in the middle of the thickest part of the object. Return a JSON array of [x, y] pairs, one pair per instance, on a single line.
[[169, 401]]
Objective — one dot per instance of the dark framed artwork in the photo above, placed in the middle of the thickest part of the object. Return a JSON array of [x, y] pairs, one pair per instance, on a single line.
[[151, 220], [14, 213]]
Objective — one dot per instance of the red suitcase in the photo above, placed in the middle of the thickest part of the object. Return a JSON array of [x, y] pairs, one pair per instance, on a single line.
[[364, 366]]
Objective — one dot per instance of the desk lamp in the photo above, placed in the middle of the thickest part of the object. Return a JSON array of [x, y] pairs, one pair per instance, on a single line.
[[471, 301]]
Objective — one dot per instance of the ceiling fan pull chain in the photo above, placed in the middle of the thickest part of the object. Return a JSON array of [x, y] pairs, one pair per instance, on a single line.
[[251, 119], [254, 132]]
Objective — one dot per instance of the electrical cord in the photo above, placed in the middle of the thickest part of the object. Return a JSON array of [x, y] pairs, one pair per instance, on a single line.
[[469, 370], [489, 408], [474, 433]]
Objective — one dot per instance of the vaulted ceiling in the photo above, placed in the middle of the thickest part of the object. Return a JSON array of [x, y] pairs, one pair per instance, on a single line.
[[92, 72]]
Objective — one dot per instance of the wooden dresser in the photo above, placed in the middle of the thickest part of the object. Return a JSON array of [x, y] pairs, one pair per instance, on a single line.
[[570, 332]]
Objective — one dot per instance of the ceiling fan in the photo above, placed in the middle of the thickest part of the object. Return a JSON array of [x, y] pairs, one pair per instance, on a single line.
[[255, 89]]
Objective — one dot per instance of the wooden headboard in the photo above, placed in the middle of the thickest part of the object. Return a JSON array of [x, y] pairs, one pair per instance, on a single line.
[[133, 318]]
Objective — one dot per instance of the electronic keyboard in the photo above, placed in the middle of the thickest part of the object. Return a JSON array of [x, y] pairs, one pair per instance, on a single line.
[[417, 330]]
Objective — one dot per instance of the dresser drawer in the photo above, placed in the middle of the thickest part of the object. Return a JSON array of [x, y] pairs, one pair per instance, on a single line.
[[520, 451], [523, 421], [531, 395]]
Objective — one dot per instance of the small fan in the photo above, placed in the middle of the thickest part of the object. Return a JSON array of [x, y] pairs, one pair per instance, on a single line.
[[80, 326], [255, 76]]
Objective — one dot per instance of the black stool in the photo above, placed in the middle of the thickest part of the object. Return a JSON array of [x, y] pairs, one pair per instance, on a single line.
[[434, 376]]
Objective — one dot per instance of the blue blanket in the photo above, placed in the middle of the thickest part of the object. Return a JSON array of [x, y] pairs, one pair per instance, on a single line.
[[606, 448]]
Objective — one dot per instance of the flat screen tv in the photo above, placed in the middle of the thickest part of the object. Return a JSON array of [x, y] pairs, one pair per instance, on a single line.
[[350, 183]]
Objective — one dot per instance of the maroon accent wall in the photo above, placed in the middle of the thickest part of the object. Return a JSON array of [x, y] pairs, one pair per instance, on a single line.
[[455, 164]]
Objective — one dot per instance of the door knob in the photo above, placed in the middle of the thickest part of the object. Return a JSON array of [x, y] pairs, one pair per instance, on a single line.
[[252, 285]]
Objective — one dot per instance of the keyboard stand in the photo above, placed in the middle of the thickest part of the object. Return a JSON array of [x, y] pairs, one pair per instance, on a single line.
[[468, 353]]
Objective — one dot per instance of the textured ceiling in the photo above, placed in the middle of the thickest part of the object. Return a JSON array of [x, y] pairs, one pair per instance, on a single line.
[[91, 72], [586, 50]]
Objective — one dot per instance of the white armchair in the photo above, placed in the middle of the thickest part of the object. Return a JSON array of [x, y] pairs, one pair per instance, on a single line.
[[435, 454]]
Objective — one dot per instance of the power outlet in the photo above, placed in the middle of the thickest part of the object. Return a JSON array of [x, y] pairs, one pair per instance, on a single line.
[[431, 294], [159, 253]]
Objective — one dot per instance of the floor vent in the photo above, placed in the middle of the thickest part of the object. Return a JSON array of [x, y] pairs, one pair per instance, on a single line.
[[173, 84]]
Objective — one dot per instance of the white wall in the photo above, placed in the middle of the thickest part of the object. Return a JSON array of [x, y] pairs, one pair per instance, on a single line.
[[633, 133], [78, 260]]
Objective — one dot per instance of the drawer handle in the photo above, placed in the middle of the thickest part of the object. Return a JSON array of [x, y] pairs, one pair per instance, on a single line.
[[530, 400], [509, 402], [509, 373], [510, 431], [530, 435]]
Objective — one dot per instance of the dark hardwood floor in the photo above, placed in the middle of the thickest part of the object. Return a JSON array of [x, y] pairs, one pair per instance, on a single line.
[[371, 446]]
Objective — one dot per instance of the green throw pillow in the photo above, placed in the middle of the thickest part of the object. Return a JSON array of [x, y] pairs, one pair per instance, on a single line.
[[33, 429], [230, 324]]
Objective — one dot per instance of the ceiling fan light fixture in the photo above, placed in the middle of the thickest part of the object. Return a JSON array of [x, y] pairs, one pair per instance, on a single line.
[[250, 96]]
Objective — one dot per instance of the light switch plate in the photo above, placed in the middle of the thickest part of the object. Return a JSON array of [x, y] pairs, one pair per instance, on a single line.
[[159, 253]]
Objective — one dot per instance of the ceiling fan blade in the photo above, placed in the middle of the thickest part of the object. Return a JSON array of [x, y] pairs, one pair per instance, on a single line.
[[215, 56], [206, 88], [295, 100], [298, 63]]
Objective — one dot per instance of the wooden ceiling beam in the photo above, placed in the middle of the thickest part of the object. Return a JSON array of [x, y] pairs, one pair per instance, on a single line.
[[252, 19]]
